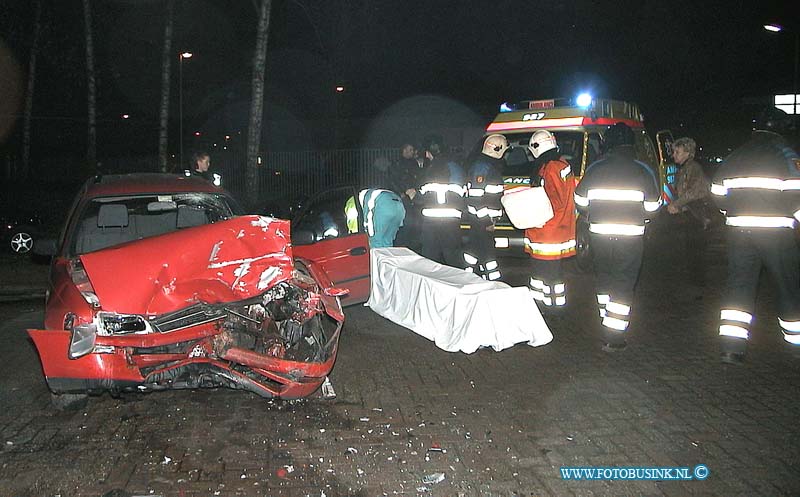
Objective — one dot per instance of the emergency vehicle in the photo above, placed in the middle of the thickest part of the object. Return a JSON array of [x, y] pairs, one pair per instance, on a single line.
[[578, 125]]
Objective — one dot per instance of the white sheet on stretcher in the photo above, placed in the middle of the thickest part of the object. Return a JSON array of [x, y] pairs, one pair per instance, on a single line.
[[456, 310]]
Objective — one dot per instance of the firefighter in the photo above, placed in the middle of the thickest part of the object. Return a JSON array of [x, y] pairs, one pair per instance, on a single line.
[[758, 189], [383, 215], [555, 241], [484, 189], [442, 197], [617, 194]]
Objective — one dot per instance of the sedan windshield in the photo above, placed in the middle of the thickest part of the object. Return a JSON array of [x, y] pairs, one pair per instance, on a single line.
[[108, 221]]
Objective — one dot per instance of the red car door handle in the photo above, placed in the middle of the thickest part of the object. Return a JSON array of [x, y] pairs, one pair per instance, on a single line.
[[358, 251]]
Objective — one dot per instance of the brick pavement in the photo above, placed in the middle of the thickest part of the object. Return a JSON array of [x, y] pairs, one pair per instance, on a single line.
[[505, 421]]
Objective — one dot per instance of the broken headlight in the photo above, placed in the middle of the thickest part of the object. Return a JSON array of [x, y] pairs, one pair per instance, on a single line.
[[285, 301], [82, 340], [111, 323]]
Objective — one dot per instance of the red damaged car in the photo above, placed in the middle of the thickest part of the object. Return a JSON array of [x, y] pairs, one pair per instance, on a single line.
[[158, 282]]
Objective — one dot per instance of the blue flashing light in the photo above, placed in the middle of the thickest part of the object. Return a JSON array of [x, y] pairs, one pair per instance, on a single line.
[[584, 100], [506, 107]]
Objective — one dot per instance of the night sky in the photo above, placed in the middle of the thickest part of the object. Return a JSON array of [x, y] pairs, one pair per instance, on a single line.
[[689, 64]]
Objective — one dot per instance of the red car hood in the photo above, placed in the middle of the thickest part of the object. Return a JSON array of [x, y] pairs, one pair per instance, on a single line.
[[226, 261]]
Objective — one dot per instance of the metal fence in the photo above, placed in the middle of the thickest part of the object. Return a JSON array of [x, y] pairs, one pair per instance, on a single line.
[[288, 176], [283, 176]]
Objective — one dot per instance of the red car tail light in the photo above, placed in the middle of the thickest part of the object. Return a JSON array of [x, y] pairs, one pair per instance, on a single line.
[[81, 281]]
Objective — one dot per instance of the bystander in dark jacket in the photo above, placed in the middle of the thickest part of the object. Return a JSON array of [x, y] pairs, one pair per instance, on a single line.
[[201, 162], [405, 176]]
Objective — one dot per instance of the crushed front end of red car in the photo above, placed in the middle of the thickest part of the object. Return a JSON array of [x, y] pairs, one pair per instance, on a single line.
[[218, 305]]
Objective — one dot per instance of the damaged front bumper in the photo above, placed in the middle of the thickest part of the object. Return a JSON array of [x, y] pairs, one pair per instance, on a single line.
[[282, 343]]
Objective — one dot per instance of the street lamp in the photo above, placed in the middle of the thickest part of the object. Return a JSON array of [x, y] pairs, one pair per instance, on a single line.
[[339, 89], [181, 56], [777, 28]]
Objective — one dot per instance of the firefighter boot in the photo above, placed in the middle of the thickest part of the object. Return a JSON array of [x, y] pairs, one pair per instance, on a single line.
[[732, 358], [613, 340], [612, 347], [732, 350]]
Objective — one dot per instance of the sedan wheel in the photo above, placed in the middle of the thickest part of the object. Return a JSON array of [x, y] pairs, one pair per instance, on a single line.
[[21, 242]]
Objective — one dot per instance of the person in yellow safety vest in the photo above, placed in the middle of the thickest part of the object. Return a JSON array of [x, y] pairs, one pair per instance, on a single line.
[[555, 241], [351, 215], [484, 189], [383, 216]]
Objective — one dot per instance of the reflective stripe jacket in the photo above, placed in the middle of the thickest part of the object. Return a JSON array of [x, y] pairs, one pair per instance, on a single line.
[[556, 239], [367, 199], [442, 191], [484, 189], [618, 194], [758, 185]]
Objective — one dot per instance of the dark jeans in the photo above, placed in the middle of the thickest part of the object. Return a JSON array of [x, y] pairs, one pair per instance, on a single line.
[[702, 212], [694, 248]]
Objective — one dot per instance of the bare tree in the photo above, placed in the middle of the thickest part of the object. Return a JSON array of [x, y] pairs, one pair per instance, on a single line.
[[26, 127], [257, 104], [166, 70], [91, 142]]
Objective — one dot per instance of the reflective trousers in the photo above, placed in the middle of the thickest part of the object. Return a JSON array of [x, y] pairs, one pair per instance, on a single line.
[[547, 283], [748, 250], [617, 261], [480, 256]]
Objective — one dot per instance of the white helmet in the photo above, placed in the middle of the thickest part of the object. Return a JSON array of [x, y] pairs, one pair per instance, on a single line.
[[541, 142], [495, 146]]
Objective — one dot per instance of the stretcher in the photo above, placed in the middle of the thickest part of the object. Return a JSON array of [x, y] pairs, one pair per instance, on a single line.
[[455, 309]]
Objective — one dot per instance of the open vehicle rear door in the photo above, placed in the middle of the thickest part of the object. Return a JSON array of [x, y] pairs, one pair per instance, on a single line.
[[666, 166]]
